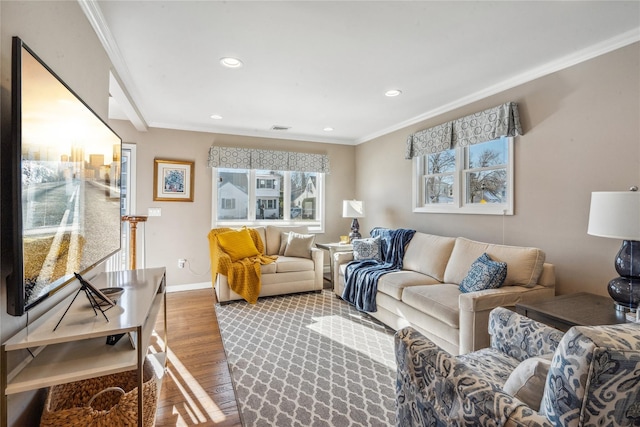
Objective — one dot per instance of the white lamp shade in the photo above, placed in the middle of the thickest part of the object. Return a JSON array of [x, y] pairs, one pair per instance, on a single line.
[[615, 214], [352, 209]]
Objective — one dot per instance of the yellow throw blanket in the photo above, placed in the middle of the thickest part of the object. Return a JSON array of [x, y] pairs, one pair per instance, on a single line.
[[244, 275]]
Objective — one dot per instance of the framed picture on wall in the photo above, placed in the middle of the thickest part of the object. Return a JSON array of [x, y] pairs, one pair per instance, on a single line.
[[173, 180]]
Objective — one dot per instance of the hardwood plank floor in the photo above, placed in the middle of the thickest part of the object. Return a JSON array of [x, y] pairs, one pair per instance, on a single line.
[[197, 388]]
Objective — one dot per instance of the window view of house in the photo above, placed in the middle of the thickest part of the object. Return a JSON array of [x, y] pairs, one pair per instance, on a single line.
[[271, 196], [233, 197]]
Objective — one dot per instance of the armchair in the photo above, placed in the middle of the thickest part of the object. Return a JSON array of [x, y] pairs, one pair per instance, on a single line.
[[593, 378]]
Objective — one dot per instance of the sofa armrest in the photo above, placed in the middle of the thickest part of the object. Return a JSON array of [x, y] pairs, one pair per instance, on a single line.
[[220, 260], [317, 256], [431, 384], [524, 416], [507, 296], [521, 337], [339, 258], [342, 257], [476, 306]]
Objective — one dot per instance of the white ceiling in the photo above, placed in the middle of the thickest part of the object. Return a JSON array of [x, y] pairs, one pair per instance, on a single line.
[[313, 64]]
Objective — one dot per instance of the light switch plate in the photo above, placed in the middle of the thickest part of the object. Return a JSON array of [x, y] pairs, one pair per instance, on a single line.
[[155, 211]]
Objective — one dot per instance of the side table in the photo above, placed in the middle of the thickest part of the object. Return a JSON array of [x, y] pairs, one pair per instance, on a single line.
[[333, 248], [579, 309]]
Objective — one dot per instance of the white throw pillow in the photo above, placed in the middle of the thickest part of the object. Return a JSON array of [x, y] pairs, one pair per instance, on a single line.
[[526, 382], [284, 238], [299, 245]]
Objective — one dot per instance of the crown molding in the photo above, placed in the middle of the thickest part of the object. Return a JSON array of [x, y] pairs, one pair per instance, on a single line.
[[126, 90], [578, 57]]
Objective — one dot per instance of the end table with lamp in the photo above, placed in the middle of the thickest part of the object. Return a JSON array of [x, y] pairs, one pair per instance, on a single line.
[[353, 209]]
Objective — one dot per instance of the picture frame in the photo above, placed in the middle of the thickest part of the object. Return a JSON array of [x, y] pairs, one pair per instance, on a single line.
[[173, 180]]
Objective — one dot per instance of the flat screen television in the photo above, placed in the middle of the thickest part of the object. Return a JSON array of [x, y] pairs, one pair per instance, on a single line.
[[60, 185]]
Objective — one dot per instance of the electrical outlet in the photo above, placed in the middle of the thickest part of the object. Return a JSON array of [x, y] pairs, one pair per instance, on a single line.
[[181, 262]]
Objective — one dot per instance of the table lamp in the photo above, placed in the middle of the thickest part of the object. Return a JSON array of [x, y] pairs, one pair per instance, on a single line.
[[616, 214], [353, 209]]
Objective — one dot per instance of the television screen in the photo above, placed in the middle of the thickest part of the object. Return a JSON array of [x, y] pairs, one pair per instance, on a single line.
[[64, 166]]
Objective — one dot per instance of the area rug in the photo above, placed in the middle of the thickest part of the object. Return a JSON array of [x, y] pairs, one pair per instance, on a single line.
[[308, 360]]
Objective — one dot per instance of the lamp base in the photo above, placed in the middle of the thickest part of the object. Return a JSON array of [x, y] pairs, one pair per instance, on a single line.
[[625, 291], [355, 230]]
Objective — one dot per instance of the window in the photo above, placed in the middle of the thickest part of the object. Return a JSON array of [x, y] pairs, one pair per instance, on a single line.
[[277, 197], [227, 203], [474, 179], [266, 183]]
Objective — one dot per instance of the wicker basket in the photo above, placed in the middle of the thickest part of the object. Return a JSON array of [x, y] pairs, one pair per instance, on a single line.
[[110, 400]]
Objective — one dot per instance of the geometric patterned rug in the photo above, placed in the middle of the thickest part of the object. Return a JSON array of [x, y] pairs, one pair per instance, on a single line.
[[308, 360]]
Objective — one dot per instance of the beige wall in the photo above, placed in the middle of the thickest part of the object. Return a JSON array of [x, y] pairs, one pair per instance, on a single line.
[[582, 134], [181, 231]]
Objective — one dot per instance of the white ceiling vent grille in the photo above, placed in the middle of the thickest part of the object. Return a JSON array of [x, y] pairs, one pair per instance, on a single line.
[[280, 128]]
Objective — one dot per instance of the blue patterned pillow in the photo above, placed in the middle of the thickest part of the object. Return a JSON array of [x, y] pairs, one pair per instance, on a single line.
[[484, 274], [367, 249]]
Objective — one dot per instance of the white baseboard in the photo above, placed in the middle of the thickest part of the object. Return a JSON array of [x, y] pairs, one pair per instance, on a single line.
[[189, 287]]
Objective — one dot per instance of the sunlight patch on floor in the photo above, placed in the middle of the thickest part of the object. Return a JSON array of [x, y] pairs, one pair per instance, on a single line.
[[358, 337], [198, 406]]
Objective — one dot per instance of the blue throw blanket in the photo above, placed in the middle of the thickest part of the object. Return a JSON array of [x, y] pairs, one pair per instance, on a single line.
[[361, 277]]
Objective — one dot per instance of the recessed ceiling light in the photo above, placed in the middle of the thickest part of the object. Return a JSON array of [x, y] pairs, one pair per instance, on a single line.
[[231, 62], [328, 129], [393, 92], [216, 117]]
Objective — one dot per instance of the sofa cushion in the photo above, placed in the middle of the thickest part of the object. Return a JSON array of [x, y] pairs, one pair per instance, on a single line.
[[284, 238], [524, 264], [395, 282], [368, 248], [299, 245], [428, 254], [237, 244], [262, 232], [285, 264], [268, 268], [272, 244], [484, 274], [527, 381], [440, 301]]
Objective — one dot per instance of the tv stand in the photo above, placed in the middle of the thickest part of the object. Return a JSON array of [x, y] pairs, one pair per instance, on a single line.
[[77, 349]]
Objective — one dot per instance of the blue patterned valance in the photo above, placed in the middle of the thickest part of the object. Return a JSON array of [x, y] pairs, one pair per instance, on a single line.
[[484, 126], [249, 158]]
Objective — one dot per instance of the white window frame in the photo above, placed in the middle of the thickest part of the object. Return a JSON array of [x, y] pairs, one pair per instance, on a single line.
[[315, 226], [120, 260], [459, 204]]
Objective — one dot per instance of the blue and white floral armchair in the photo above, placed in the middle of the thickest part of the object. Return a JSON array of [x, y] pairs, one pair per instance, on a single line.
[[593, 377]]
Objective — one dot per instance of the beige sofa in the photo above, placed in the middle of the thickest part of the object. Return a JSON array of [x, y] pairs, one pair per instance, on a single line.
[[286, 275], [425, 293]]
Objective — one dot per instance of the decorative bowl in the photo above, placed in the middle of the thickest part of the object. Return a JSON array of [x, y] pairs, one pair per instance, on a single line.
[[113, 293]]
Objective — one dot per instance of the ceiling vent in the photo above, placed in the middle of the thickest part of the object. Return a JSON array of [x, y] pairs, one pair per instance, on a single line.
[[280, 128]]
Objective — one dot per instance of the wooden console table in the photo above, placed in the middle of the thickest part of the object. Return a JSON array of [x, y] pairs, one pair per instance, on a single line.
[[580, 309], [77, 349]]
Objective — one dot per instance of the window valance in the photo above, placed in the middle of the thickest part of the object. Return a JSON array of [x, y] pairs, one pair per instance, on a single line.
[[249, 158], [484, 126]]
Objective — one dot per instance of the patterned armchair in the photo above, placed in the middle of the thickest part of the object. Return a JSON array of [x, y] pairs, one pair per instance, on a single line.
[[593, 377]]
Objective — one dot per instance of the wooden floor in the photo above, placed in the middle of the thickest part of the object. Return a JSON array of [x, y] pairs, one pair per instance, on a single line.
[[197, 388]]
